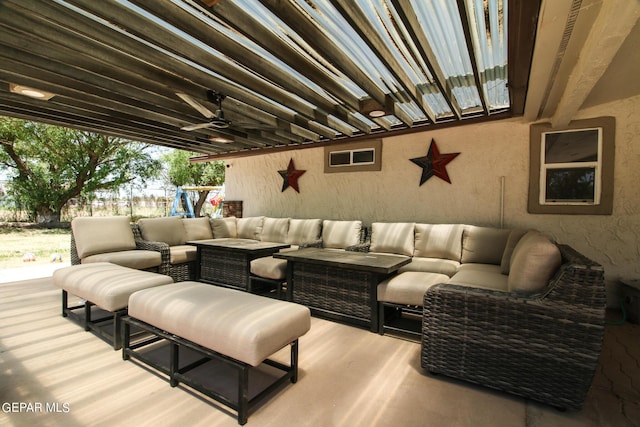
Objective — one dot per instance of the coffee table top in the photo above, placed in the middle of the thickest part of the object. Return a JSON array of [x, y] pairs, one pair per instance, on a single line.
[[240, 245], [376, 263]]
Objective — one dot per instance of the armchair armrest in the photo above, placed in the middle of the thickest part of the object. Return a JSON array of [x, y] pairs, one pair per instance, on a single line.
[[543, 346]]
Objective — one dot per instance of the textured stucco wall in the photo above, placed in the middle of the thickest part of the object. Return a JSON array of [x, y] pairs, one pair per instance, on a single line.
[[491, 154]]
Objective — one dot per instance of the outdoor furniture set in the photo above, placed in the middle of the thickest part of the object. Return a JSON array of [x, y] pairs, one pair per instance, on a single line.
[[201, 328], [508, 309]]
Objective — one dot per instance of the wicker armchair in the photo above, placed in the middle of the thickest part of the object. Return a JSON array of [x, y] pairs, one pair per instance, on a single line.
[[544, 347], [162, 268]]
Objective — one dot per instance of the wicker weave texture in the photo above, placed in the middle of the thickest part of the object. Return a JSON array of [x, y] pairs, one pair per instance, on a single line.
[[544, 347], [337, 290], [224, 267]]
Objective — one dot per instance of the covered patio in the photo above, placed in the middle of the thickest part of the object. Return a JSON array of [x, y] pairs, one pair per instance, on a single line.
[[349, 377], [272, 85]]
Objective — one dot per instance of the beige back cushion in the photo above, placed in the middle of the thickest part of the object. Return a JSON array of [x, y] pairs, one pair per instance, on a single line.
[[197, 229], [303, 231], [483, 245], [275, 230], [97, 235], [250, 228], [224, 228], [341, 234], [394, 237], [439, 241], [534, 261], [514, 237], [168, 230]]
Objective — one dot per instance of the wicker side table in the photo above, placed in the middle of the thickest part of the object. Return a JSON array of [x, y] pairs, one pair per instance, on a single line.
[[226, 262], [631, 299]]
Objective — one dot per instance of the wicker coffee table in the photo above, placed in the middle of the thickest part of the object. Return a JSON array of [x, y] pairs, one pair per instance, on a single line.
[[339, 285], [226, 262]]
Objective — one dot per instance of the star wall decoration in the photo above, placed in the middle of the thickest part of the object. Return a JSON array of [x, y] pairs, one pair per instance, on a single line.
[[290, 177], [434, 163]]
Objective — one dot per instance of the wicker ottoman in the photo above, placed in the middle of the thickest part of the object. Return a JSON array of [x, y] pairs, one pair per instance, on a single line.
[[235, 329], [106, 286], [404, 292]]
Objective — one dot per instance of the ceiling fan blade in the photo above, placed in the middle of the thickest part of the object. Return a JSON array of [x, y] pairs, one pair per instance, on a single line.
[[195, 104], [196, 126], [251, 126]]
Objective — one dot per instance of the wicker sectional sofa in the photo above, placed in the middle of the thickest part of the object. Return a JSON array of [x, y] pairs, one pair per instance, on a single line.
[[507, 309], [170, 235]]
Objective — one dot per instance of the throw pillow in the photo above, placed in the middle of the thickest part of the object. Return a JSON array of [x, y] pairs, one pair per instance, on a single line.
[[534, 261]]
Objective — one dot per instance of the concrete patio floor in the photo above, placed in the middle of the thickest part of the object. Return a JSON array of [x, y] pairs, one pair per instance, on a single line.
[[348, 377]]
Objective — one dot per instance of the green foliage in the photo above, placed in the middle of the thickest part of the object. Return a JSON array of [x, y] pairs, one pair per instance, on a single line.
[[181, 172], [49, 165]]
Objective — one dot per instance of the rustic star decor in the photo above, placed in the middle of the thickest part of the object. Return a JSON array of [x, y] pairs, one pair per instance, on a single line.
[[290, 177], [434, 163]]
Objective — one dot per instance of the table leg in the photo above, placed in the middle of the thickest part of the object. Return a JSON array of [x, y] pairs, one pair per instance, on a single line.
[[373, 301], [289, 281]]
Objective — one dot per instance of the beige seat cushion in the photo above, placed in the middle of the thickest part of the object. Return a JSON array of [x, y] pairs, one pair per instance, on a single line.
[[275, 230], [439, 241], [409, 287], [394, 237], [534, 261], [138, 259], [432, 265], [341, 234], [484, 276], [304, 231], [484, 245], [246, 327], [269, 268], [181, 254], [169, 230], [96, 235], [197, 229], [104, 284], [224, 228]]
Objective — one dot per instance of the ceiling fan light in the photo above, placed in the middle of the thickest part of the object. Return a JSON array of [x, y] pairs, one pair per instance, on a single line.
[[377, 113], [219, 123], [30, 92], [220, 139]]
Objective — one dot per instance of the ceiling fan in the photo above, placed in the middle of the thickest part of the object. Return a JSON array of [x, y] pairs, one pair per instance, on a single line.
[[216, 120]]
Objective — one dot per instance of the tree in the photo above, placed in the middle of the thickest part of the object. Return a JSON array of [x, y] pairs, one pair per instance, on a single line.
[[50, 165], [181, 172]]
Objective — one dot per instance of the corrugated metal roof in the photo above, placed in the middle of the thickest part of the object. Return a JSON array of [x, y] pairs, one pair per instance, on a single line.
[[288, 72]]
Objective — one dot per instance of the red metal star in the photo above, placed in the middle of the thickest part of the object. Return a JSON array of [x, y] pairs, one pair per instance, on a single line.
[[434, 163], [290, 177]]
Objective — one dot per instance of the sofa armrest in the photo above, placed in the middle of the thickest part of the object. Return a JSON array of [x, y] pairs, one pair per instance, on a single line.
[[543, 346], [75, 259], [148, 245], [360, 247], [312, 244]]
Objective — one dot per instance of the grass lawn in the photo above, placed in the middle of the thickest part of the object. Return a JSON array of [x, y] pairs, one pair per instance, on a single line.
[[15, 242]]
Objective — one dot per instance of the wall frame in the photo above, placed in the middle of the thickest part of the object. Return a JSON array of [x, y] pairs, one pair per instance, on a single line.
[[353, 156], [571, 168]]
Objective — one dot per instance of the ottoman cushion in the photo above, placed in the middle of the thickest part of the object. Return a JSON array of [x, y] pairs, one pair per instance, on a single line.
[[409, 287], [104, 284], [246, 327]]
